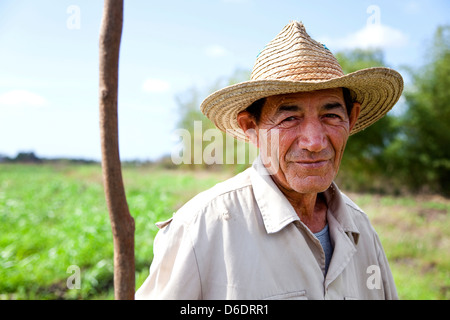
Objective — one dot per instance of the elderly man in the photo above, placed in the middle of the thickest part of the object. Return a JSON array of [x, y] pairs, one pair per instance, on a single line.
[[282, 229]]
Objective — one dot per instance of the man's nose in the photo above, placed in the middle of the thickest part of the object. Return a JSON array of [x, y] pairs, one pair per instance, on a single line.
[[312, 136]]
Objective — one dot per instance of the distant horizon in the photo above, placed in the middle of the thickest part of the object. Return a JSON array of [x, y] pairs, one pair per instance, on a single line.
[[81, 159]]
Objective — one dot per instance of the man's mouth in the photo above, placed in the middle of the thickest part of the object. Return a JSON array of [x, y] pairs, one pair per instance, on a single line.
[[316, 164]]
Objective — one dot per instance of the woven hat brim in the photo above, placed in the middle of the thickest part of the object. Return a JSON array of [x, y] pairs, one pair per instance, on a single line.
[[376, 89]]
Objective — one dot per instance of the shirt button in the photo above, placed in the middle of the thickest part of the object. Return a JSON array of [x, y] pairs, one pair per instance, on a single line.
[[226, 215]]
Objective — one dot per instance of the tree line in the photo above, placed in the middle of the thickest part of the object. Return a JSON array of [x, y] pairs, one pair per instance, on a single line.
[[32, 158]]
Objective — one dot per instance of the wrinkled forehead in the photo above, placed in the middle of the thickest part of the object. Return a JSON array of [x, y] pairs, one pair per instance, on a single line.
[[299, 97]]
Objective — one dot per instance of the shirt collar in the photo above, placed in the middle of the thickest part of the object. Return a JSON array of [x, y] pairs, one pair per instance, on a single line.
[[338, 206], [277, 212]]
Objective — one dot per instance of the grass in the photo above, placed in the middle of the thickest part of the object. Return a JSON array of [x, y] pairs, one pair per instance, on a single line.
[[54, 216], [415, 233]]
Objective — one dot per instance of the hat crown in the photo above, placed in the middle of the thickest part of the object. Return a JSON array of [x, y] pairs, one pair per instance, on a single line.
[[294, 56]]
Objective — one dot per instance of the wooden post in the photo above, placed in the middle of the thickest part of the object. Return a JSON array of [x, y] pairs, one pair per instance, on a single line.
[[122, 223]]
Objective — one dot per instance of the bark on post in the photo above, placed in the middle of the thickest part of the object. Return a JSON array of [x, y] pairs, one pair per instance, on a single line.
[[122, 223]]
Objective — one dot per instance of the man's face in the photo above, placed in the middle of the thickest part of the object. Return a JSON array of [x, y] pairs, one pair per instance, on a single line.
[[309, 132]]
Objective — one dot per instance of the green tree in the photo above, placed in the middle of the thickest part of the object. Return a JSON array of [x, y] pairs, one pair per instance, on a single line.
[[203, 137], [426, 139]]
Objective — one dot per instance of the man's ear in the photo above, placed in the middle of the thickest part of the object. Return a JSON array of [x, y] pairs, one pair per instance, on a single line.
[[248, 124], [354, 114]]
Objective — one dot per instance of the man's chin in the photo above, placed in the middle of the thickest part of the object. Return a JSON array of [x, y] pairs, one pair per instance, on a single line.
[[310, 184]]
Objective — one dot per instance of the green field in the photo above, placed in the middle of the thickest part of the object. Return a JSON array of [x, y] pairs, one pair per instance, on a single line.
[[54, 216]]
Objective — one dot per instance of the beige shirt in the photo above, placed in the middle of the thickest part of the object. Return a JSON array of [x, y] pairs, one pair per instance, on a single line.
[[243, 240]]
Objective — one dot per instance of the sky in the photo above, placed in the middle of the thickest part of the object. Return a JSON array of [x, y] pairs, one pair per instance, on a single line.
[[49, 61]]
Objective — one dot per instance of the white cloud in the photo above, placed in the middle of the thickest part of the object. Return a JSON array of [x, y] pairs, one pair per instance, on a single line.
[[372, 36], [22, 98], [155, 85], [215, 51]]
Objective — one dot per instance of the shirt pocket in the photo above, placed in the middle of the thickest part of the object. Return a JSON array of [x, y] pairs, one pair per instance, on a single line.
[[296, 295]]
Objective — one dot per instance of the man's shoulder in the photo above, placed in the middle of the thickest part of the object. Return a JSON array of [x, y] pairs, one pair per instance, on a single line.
[[358, 215], [352, 205], [217, 195]]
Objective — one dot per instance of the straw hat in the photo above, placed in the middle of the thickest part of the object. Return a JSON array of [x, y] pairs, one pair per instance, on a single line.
[[293, 62]]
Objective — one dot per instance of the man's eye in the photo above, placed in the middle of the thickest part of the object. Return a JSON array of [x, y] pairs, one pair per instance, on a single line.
[[332, 116], [290, 119], [289, 122]]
